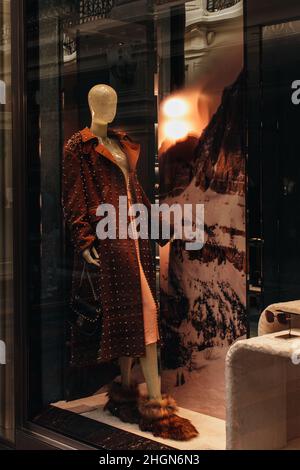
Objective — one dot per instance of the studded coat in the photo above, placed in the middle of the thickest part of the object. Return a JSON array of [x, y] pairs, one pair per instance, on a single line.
[[91, 177]]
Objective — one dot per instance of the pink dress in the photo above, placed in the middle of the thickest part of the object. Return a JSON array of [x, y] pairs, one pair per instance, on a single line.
[[149, 307]]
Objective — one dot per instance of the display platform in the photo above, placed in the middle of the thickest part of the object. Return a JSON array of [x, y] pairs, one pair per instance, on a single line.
[[211, 430]]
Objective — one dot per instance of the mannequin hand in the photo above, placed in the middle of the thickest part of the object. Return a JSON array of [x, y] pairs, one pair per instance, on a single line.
[[89, 258]]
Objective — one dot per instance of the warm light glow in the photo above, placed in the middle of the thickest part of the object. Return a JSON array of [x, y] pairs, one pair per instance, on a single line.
[[178, 118], [175, 130], [175, 108]]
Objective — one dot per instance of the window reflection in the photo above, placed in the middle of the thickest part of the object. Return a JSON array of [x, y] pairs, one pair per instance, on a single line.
[[6, 254]]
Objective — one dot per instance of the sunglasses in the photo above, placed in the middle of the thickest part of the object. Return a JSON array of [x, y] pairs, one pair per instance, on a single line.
[[282, 318]]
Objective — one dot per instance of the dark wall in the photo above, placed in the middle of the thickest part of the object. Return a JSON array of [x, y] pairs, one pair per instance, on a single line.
[[272, 62], [271, 11]]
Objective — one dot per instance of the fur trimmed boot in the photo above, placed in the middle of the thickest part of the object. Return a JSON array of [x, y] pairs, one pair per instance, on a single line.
[[158, 416], [122, 402]]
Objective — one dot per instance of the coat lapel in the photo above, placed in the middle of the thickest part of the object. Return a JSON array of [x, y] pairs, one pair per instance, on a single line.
[[132, 149]]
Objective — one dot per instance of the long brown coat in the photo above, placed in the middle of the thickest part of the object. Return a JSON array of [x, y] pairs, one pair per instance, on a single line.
[[91, 177]]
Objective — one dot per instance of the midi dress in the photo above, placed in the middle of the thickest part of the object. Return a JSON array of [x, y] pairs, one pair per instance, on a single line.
[[150, 313]]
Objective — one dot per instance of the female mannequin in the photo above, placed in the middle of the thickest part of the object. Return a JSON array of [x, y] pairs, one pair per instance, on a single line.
[[102, 155], [103, 105]]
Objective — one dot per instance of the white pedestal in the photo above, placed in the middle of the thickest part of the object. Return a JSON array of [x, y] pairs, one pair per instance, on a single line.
[[262, 393]]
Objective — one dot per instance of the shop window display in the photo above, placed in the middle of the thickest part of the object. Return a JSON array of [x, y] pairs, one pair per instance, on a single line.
[[135, 99]]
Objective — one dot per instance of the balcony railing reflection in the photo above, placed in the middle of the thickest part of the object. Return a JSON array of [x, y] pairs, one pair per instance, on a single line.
[[79, 12], [90, 10], [218, 5]]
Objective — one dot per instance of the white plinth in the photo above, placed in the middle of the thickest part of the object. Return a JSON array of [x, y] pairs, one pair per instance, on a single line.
[[263, 392]]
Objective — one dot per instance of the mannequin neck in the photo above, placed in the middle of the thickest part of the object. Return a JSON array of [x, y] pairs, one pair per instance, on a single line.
[[99, 128]]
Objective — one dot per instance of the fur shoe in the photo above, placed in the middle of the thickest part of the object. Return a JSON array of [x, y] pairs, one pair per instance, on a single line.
[[122, 402], [158, 416]]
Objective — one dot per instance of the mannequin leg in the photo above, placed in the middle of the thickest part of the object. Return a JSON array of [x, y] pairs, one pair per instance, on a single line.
[[157, 412], [154, 413], [149, 365], [123, 397], [125, 363]]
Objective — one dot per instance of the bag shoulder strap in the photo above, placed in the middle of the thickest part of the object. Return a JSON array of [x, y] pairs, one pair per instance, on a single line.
[[89, 279]]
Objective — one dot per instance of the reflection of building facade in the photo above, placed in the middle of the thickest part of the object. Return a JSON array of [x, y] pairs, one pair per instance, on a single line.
[[6, 222], [218, 5], [209, 25]]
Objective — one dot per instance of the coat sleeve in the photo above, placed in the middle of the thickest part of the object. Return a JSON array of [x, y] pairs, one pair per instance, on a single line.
[[74, 202]]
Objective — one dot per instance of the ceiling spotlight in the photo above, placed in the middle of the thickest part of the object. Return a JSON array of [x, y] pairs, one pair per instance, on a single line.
[[175, 107]]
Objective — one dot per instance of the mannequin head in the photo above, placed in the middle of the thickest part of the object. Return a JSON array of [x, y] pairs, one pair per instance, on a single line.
[[103, 104]]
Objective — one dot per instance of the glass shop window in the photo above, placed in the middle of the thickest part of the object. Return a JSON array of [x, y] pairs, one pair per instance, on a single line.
[[141, 99]]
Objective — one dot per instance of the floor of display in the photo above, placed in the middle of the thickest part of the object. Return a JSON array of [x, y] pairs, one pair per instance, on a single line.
[[211, 430], [204, 387], [205, 380]]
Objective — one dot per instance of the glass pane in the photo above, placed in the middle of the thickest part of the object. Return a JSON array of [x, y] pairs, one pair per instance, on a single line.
[[203, 304], [167, 63], [6, 233]]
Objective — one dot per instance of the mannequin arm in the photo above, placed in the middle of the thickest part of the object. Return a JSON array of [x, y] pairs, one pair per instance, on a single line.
[[74, 204]]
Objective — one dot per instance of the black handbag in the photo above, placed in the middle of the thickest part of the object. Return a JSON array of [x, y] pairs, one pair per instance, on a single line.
[[85, 375], [86, 314]]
